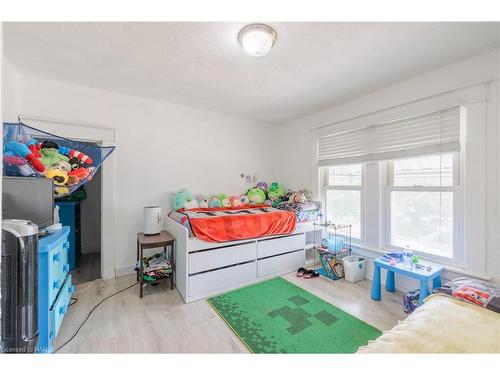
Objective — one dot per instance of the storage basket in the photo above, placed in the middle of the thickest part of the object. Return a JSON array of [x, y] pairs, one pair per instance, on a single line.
[[354, 268]]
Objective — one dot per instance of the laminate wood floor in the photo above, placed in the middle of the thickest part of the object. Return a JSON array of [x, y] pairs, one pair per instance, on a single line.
[[162, 323], [87, 269]]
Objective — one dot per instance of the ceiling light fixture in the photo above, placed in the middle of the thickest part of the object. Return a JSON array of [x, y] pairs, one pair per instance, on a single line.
[[257, 39]]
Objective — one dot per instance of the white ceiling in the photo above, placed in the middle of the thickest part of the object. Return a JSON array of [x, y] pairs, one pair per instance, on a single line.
[[311, 67]]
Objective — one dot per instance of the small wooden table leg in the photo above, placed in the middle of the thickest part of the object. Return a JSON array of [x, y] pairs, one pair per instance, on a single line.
[[137, 273], [172, 264], [141, 275]]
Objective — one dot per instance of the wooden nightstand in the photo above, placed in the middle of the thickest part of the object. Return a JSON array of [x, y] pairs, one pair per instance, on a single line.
[[164, 239]]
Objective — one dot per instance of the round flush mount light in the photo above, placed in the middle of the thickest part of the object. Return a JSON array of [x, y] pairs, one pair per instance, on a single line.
[[257, 39]]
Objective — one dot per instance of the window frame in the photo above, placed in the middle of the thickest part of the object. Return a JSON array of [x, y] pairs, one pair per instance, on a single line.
[[457, 254], [361, 188]]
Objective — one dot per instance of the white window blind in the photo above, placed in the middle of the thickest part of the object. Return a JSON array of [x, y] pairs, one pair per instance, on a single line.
[[420, 135]]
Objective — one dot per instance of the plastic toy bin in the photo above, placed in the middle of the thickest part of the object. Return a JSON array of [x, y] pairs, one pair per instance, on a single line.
[[354, 268]]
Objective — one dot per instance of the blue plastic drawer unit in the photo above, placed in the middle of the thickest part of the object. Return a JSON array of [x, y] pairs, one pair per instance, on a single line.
[[69, 215], [54, 286]]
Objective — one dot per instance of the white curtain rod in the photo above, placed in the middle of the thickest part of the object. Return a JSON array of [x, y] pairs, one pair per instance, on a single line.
[[402, 104]]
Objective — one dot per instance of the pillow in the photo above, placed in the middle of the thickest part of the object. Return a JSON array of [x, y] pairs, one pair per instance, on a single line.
[[474, 291]]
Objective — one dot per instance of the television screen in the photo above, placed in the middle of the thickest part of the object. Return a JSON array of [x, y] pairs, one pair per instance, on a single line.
[[28, 198]]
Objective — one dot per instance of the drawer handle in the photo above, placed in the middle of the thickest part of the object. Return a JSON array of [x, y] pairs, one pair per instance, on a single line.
[[71, 290], [63, 310], [66, 267], [57, 284], [56, 257]]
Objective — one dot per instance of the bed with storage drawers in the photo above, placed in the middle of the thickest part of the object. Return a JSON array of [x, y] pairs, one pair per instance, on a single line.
[[207, 268]]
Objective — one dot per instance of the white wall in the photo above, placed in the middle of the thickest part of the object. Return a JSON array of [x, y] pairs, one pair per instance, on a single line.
[[297, 158], [161, 147]]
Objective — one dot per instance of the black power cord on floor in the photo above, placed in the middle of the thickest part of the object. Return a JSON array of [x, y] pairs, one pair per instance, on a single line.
[[90, 313]]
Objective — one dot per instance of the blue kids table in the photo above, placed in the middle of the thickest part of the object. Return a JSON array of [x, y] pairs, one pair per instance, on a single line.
[[421, 274]]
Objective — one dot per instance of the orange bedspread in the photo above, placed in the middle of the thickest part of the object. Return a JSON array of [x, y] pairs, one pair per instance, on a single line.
[[232, 224]]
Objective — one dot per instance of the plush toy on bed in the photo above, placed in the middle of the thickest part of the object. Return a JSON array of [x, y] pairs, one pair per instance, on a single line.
[[202, 201], [214, 202], [224, 200], [299, 197], [244, 200], [235, 202], [183, 199], [275, 194], [256, 196]]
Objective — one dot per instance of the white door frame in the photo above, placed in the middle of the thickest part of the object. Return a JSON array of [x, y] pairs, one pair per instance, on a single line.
[[105, 136]]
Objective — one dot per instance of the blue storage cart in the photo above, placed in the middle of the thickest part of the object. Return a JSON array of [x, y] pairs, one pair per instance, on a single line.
[[54, 286]]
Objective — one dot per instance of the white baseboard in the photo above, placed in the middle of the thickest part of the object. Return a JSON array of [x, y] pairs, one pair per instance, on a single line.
[[124, 271]]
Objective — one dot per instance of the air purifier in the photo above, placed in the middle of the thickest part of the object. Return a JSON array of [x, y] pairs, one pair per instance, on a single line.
[[19, 287], [152, 220]]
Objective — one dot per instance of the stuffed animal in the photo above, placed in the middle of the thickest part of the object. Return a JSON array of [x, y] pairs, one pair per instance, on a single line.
[[62, 166], [60, 177], [214, 202], [275, 194], [191, 203], [244, 200], [75, 164], [22, 150], [235, 202], [73, 154], [177, 200], [262, 185], [224, 200], [59, 191], [51, 156], [256, 196], [18, 164], [307, 193], [202, 201], [79, 173], [297, 198]]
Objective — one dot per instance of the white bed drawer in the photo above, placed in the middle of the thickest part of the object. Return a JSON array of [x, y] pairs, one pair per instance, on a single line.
[[281, 263], [280, 245], [225, 278], [221, 257]]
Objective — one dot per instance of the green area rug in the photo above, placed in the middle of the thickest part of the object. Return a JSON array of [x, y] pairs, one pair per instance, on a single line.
[[276, 316]]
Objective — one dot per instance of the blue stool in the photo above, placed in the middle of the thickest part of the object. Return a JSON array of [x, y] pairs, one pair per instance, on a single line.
[[421, 274]]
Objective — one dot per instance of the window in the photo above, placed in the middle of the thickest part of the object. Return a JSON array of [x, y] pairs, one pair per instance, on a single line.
[[343, 196], [422, 196]]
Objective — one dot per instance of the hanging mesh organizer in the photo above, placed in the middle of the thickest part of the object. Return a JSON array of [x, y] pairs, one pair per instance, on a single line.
[[31, 152]]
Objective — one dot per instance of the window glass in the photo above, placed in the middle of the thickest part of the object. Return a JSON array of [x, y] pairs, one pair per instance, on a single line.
[[345, 175], [435, 170], [423, 220], [344, 207]]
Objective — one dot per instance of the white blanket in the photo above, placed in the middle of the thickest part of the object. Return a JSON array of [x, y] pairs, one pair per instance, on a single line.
[[442, 325]]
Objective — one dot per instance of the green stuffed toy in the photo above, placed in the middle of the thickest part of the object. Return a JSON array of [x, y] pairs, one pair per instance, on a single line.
[[183, 199], [224, 200], [256, 196], [51, 156], [275, 193]]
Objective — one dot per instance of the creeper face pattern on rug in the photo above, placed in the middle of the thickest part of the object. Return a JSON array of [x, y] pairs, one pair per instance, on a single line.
[[298, 317]]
